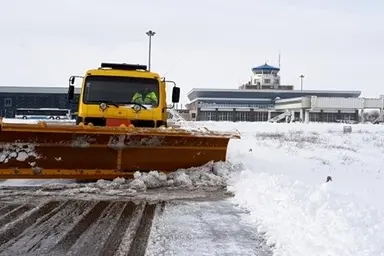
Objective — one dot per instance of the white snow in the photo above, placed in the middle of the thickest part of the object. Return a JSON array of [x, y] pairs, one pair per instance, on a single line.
[[278, 173], [203, 228], [150, 186], [20, 151], [283, 184]]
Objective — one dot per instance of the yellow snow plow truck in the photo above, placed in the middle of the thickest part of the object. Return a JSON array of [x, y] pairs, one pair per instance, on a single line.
[[121, 128]]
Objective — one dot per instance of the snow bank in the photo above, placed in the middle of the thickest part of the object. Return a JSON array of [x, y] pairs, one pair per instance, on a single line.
[[283, 185], [310, 220], [212, 176]]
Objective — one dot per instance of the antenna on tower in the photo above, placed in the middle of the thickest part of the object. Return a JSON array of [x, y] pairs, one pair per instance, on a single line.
[[279, 60]]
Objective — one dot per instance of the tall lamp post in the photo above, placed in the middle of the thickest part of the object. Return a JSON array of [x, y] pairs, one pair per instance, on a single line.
[[150, 34], [301, 81]]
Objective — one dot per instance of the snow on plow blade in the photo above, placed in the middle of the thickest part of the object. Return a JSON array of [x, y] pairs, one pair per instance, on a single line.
[[87, 152]]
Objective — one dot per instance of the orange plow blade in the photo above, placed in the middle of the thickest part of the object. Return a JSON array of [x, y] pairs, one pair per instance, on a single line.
[[54, 151]]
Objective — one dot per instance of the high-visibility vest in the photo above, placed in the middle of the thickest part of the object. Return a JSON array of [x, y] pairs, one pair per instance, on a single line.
[[150, 98]]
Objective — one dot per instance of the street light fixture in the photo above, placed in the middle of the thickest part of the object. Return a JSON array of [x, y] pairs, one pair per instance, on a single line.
[[150, 34], [301, 81]]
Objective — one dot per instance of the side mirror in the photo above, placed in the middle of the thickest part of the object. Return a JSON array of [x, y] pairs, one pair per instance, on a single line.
[[72, 80], [71, 89], [71, 92], [175, 94]]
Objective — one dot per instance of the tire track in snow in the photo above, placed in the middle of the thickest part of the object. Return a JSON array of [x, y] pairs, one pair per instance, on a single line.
[[116, 237], [48, 229], [116, 228], [76, 227], [5, 209], [14, 213], [13, 229], [65, 244], [139, 243], [99, 231]]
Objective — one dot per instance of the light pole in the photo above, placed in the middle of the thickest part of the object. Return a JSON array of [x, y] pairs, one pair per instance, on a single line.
[[150, 34], [301, 81]]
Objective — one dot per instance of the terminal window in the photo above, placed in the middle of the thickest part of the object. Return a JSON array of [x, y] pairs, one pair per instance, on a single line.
[[7, 102]]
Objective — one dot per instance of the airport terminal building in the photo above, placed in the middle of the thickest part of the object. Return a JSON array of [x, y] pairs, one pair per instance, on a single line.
[[263, 98], [260, 105]]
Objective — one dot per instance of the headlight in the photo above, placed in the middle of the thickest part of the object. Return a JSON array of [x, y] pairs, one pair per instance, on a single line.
[[103, 106], [137, 108]]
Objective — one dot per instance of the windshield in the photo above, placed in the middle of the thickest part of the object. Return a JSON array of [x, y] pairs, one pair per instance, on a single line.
[[121, 90]]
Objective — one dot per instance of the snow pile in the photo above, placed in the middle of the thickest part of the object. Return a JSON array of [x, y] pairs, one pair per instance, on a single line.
[[210, 177], [283, 185], [193, 127]]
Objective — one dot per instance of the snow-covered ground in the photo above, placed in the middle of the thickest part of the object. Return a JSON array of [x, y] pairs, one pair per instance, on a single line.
[[280, 177], [283, 184]]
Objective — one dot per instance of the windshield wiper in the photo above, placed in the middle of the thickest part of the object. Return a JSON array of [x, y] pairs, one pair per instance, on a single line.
[[135, 103], [108, 102]]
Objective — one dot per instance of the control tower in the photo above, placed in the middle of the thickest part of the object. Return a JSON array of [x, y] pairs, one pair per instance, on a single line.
[[265, 77]]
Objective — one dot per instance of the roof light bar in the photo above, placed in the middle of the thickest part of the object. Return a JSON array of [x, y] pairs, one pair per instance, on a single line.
[[123, 66]]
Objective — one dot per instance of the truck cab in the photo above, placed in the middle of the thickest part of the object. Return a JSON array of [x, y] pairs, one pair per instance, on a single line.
[[116, 94]]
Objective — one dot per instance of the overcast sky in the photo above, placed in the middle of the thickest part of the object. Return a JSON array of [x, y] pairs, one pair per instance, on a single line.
[[336, 44]]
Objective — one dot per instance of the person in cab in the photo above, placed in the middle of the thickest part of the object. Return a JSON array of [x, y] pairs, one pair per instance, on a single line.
[[146, 97]]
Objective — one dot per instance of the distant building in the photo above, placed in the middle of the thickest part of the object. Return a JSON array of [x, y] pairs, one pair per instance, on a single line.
[[13, 97], [249, 105], [263, 98]]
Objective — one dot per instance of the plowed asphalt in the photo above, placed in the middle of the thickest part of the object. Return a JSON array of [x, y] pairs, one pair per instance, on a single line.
[[69, 226]]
